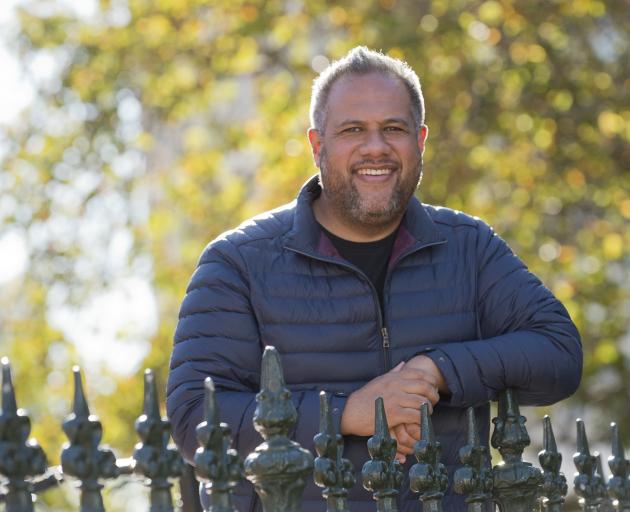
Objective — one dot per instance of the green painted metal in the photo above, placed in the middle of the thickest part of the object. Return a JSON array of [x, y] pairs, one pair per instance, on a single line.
[[216, 463], [82, 457], [554, 486], [331, 471], [154, 458], [619, 481], [278, 468], [588, 483], [606, 502], [516, 482], [428, 477], [474, 479], [383, 475], [20, 457]]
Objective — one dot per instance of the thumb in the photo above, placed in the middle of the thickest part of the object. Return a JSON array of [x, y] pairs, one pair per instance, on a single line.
[[398, 367]]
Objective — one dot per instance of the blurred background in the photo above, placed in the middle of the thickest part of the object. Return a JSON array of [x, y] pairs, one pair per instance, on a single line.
[[132, 132]]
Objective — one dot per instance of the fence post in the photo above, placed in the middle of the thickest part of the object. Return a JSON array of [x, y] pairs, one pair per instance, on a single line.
[[278, 467], [619, 482], [332, 472], [515, 481], [216, 463], [20, 457], [155, 460], [554, 487], [82, 457], [588, 482], [474, 479], [383, 475], [428, 476]]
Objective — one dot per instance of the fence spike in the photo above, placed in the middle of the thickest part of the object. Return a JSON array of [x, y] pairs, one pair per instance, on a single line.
[[606, 503], [474, 479], [20, 457], [382, 475], [428, 476], [516, 482], [217, 465], [554, 486], [82, 457], [278, 467], [587, 482], [331, 471], [154, 459], [619, 481]]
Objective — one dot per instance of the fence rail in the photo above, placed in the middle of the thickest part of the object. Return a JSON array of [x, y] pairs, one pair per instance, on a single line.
[[279, 467]]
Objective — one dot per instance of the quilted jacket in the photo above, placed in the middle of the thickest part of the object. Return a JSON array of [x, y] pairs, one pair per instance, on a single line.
[[454, 291]]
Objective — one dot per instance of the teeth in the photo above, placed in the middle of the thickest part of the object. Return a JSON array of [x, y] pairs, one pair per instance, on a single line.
[[374, 172]]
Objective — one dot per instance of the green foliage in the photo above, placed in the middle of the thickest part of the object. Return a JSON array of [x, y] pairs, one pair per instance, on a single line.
[[174, 120]]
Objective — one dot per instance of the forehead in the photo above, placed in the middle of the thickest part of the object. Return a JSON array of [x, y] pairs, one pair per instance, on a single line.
[[370, 97]]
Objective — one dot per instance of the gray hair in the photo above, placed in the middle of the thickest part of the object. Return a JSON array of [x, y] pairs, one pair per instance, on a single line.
[[361, 61]]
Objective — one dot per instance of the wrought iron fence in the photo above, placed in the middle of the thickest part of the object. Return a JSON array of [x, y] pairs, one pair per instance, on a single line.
[[279, 467]]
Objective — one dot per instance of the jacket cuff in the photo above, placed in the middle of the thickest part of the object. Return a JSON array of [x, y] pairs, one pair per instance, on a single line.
[[445, 365]]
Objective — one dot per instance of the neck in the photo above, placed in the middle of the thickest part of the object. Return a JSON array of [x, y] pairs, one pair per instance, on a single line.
[[351, 231]]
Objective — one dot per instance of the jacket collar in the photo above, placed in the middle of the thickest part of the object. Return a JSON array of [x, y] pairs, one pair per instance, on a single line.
[[417, 229]]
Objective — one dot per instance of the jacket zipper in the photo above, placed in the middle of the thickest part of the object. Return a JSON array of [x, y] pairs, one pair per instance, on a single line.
[[383, 328]]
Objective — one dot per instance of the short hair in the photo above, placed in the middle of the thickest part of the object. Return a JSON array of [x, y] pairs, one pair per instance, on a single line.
[[362, 61]]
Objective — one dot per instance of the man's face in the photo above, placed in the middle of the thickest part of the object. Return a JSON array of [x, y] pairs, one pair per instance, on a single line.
[[369, 154]]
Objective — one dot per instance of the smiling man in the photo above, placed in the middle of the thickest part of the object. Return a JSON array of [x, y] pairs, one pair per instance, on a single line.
[[367, 292]]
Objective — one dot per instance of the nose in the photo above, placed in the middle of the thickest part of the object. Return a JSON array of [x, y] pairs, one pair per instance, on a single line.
[[374, 144]]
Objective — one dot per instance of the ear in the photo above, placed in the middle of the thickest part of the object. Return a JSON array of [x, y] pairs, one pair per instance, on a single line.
[[423, 133], [315, 140]]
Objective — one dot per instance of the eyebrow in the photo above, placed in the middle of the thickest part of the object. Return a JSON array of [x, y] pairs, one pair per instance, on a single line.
[[396, 120]]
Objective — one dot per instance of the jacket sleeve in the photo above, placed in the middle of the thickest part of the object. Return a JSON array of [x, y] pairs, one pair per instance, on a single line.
[[528, 339], [217, 335]]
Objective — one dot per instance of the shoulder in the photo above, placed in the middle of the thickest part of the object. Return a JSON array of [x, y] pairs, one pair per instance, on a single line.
[[263, 228], [450, 219]]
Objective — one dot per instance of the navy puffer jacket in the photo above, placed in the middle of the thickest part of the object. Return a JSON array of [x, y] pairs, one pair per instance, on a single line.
[[454, 291]]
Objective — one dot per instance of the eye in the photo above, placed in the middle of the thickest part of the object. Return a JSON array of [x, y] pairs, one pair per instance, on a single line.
[[394, 128], [351, 129]]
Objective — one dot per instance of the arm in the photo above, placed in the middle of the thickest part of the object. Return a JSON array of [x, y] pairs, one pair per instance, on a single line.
[[218, 336], [528, 340]]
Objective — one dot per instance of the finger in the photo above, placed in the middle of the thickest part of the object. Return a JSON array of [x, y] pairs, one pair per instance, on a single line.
[[398, 367], [416, 373], [410, 400], [400, 458], [413, 430], [404, 440]]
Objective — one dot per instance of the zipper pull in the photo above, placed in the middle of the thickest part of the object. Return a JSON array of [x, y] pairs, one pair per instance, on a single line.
[[385, 335]]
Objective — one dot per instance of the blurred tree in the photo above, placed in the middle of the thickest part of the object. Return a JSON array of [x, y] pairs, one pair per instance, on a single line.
[[161, 123]]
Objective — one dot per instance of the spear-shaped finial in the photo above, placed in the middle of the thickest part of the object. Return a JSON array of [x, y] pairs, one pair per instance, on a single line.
[[587, 483], [79, 405], [20, 457], [154, 458], [383, 474], [619, 481], [474, 479], [332, 472], [278, 467], [428, 476], [216, 463], [82, 457], [516, 482], [9, 405], [554, 486]]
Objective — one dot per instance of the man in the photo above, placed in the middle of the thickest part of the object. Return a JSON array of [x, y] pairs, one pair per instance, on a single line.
[[367, 292]]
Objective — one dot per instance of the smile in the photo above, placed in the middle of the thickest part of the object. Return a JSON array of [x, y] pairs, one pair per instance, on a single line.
[[374, 172]]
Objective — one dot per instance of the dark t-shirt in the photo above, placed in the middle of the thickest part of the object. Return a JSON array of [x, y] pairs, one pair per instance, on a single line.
[[371, 257]]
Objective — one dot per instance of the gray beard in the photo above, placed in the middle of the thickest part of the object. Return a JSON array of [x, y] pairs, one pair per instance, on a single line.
[[346, 201]]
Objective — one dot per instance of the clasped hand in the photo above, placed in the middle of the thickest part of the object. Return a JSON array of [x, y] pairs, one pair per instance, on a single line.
[[404, 389]]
